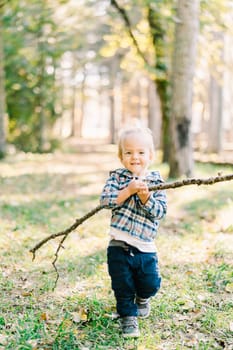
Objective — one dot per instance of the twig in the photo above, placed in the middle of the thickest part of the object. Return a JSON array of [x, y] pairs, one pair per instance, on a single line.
[[192, 181], [78, 222], [3, 3], [66, 231], [65, 234], [56, 257], [126, 19]]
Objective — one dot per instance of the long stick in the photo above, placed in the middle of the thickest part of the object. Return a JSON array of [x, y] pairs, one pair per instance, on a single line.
[[78, 222], [193, 181], [162, 186], [66, 231]]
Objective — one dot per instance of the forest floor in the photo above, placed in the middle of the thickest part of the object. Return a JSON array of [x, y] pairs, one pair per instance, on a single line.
[[44, 194]]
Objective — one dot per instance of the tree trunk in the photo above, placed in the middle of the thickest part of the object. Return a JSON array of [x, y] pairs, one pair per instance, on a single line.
[[158, 32], [154, 114], [215, 125], [186, 33], [81, 114], [215, 120], [3, 118], [73, 116], [163, 91], [111, 94], [41, 103], [158, 29]]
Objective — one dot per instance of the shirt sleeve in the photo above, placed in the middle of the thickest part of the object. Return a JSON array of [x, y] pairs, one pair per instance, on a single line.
[[156, 205], [110, 192]]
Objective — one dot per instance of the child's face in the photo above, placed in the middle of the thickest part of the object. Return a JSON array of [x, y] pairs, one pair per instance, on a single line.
[[136, 154]]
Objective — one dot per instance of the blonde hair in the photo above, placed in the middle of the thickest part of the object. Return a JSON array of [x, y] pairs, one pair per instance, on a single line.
[[135, 130]]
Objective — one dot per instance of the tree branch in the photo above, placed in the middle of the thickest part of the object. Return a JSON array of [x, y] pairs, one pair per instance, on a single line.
[[78, 222], [65, 233], [126, 19], [3, 3], [193, 181]]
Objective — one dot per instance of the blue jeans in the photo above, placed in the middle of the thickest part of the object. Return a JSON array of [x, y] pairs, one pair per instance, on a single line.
[[133, 273]]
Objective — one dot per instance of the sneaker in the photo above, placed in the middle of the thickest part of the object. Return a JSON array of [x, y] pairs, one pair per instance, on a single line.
[[143, 307], [129, 325]]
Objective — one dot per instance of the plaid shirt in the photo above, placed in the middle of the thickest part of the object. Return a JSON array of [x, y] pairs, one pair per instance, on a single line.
[[133, 217]]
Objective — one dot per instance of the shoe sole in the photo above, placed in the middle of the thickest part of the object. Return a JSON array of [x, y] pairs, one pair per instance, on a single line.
[[131, 335]]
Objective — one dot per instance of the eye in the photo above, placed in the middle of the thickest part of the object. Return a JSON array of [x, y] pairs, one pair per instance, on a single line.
[[127, 153], [141, 152]]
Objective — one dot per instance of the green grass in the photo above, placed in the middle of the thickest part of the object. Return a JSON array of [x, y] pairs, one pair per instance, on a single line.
[[41, 195]]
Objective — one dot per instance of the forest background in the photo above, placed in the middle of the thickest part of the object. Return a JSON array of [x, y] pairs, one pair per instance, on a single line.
[[87, 68], [72, 74]]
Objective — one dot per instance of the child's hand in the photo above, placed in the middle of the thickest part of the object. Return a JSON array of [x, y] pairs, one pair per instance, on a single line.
[[143, 192], [134, 186], [138, 186]]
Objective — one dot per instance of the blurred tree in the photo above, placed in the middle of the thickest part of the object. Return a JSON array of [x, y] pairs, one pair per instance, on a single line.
[[216, 25], [28, 37], [158, 28], [57, 65], [215, 125], [184, 57], [81, 63], [160, 17], [33, 46], [3, 115], [148, 32]]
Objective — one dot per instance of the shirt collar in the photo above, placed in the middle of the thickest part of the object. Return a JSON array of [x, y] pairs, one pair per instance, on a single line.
[[150, 175]]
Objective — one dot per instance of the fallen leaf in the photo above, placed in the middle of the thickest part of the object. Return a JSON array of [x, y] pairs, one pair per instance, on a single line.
[[79, 316], [3, 339], [183, 317], [201, 297], [189, 305], [112, 316], [83, 315], [43, 317], [229, 288], [76, 317], [33, 343], [26, 294]]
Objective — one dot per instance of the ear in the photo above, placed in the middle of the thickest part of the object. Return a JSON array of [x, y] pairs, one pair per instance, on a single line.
[[152, 156], [120, 157]]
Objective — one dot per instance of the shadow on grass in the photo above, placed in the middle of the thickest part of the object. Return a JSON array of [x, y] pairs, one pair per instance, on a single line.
[[213, 202], [83, 267], [49, 183], [212, 168], [42, 212]]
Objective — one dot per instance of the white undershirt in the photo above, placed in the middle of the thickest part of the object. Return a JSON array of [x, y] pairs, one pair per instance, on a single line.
[[146, 247]]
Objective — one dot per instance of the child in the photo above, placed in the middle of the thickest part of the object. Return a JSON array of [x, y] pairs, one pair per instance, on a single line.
[[136, 211]]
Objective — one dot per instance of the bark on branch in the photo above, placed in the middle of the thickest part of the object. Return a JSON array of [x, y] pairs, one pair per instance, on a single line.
[[126, 19], [78, 222], [3, 3]]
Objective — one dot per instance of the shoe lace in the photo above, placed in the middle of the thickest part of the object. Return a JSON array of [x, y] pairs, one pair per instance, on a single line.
[[142, 302], [130, 322]]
